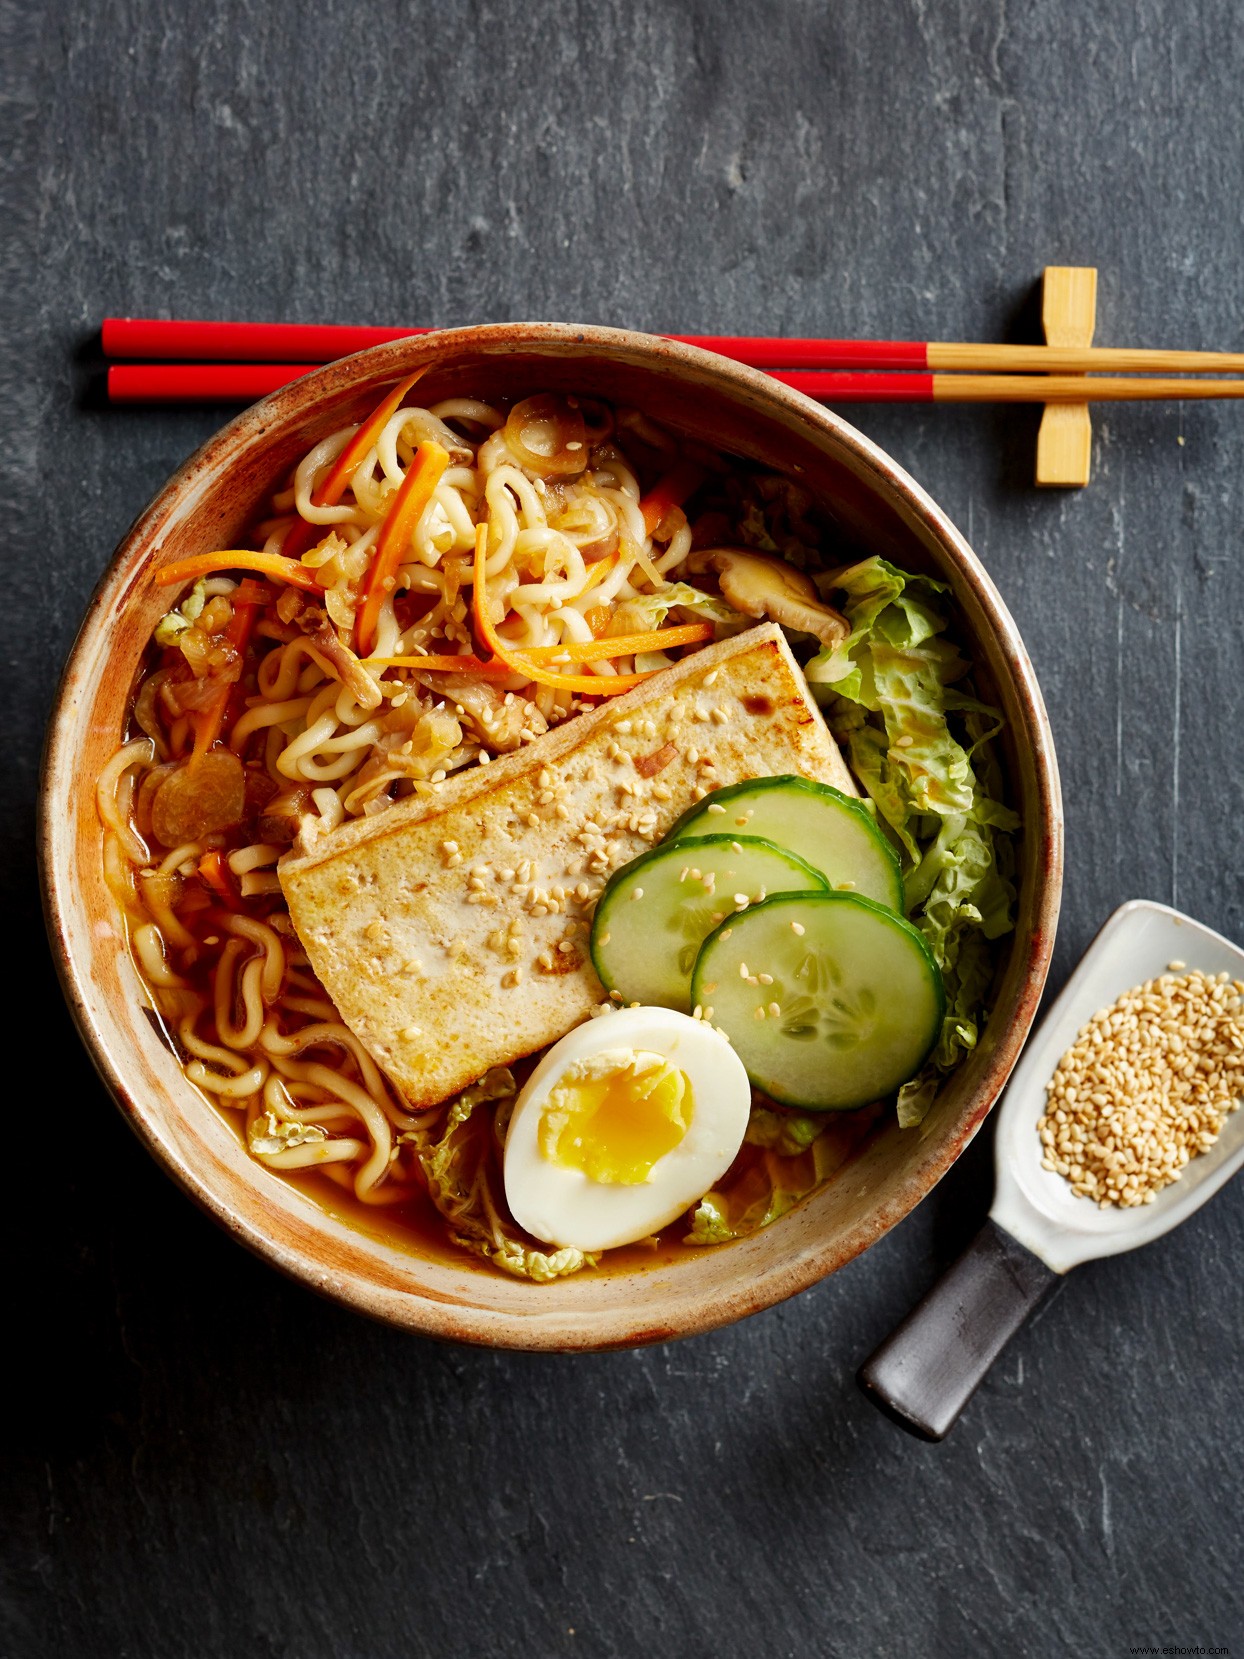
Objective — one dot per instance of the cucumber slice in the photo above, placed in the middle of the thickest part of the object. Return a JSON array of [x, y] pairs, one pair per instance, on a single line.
[[837, 835], [654, 913], [859, 995]]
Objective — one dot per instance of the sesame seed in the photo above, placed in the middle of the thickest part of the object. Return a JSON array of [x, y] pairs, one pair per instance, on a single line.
[[735, 847], [636, 893], [484, 757], [720, 716], [697, 1013], [711, 987], [726, 934], [742, 900], [692, 756], [1147, 1085], [766, 979], [742, 970], [798, 927], [759, 1014], [604, 939], [711, 679], [775, 1009], [699, 792], [904, 742], [410, 1032], [742, 822], [716, 806]]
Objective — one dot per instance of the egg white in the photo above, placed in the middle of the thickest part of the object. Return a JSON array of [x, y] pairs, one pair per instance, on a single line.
[[566, 1207]]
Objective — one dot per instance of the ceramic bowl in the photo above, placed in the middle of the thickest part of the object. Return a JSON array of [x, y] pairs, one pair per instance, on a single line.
[[207, 505]]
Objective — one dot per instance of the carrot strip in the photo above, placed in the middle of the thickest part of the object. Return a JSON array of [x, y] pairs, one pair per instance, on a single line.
[[442, 664], [335, 481], [599, 571], [207, 725], [620, 645], [679, 483], [409, 505], [592, 685], [275, 565], [212, 869]]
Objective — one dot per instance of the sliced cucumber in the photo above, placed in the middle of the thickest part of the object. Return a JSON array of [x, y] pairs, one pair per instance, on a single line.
[[655, 912], [859, 998], [837, 835]]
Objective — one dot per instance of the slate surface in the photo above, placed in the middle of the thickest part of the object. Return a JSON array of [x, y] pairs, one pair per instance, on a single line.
[[201, 1459]]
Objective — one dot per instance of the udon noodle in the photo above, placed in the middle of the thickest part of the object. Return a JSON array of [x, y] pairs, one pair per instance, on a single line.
[[331, 669]]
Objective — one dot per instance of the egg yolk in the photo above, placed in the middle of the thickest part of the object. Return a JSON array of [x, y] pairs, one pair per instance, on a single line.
[[613, 1117]]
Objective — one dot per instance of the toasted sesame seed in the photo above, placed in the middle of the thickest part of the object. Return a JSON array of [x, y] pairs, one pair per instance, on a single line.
[[1146, 1086], [742, 822], [711, 987]]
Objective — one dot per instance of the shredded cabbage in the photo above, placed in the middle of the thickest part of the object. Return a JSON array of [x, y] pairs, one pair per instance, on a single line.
[[647, 611], [457, 1168], [176, 621], [889, 699]]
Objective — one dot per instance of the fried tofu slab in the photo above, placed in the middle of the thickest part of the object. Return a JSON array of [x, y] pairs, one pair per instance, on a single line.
[[452, 929]]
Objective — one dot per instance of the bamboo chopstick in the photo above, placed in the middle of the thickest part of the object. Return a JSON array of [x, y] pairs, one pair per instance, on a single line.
[[244, 382], [187, 340]]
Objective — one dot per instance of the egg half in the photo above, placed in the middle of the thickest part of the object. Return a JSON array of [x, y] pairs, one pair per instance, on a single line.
[[626, 1122]]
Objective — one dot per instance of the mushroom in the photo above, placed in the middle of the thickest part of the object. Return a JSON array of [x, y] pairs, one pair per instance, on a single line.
[[761, 586]]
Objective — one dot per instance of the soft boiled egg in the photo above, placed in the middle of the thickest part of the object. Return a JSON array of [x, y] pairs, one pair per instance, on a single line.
[[626, 1122]]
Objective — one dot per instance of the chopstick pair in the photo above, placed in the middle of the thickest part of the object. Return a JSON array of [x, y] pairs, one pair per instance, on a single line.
[[245, 361]]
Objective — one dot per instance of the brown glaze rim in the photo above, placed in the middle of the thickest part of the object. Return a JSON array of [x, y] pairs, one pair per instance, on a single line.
[[426, 1311]]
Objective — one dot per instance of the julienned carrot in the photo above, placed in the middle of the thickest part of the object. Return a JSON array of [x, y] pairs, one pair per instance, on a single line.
[[409, 505], [212, 869], [442, 665], [599, 571], [593, 685], [620, 645], [241, 624], [275, 565], [679, 483], [335, 481]]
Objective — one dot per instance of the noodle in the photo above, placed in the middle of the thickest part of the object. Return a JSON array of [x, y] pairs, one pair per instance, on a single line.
[[311, 733]]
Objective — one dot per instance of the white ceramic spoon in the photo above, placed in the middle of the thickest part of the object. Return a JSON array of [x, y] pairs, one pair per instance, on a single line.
[[925, 1372]]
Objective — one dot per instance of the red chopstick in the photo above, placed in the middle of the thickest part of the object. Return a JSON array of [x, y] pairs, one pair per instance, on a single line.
[[184, 341], [244, 382]]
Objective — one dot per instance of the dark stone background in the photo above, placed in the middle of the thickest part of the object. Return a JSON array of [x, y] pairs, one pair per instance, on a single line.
[[201, 1459]]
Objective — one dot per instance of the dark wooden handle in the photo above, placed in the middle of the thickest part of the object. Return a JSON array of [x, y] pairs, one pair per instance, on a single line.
[[927, 1370]]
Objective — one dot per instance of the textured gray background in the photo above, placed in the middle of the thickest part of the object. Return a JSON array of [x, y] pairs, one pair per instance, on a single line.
[[204, 1460]]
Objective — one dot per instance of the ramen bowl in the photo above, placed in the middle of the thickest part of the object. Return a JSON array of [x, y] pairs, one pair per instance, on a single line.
[[208, 504]]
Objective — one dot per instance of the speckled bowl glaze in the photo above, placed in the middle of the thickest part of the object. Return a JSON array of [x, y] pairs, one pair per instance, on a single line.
[[207, 505]]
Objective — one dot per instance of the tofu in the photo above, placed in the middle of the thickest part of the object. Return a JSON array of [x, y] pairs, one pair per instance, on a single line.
[[452, 929]]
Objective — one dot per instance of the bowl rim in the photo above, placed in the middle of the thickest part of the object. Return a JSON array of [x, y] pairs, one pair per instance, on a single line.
[[409, 1309]]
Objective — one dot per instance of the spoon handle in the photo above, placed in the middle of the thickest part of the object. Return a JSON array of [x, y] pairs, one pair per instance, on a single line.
[[928, 1368]]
